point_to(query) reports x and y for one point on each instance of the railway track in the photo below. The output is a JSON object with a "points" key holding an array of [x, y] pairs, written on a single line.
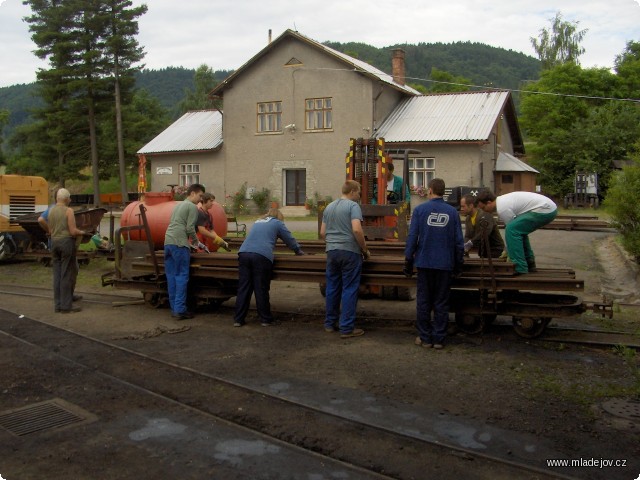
{"points": [[554, 333], [286, 420]]}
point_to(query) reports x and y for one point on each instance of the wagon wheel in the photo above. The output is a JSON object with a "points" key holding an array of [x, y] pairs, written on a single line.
{"points": [[152, 300], [217, 302], [471, 324], [404, 293], [530, 327]]}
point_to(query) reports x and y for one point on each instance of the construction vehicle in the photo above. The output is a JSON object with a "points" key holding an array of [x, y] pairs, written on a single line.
{"points": [[585, 193], [366, 163], [19, 195]]}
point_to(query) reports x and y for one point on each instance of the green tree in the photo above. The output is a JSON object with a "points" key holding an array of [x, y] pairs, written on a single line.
{"points": [[4, 119], [123, 51], [625, 186], [446, 82], [559, 45], [198, 99], [627, 67], [90, 48], [143, 118], [559, 110]]}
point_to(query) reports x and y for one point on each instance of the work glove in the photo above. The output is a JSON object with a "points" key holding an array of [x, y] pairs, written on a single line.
{"points": [[300, 252], [222, 243], [366, 255], [408, 268], [468, 245]]}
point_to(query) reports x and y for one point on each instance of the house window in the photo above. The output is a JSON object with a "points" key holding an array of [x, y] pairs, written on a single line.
{"points": [[318, 114], [507, 178], [270, 117], [189, 174], [421, 171]]}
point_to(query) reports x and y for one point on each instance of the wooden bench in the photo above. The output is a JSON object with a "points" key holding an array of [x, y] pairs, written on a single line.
{"points": [[240, 228]]}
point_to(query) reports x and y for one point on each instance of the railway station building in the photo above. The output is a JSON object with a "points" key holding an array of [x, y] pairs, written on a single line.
{"points": [[289, 112]]}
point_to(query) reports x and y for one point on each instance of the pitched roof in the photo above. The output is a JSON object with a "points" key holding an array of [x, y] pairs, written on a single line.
{"points": [[450, 117], [509, 163], [195, 131], [357, 65]]}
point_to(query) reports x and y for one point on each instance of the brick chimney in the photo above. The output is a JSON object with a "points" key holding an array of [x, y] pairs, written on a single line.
{"points": [[397, 66]]}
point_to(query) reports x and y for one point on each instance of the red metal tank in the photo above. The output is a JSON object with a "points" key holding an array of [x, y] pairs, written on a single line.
{"points": [[159, 207]]}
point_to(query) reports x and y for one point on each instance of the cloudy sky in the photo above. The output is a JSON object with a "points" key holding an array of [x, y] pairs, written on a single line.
{"points": [[224, 34]]}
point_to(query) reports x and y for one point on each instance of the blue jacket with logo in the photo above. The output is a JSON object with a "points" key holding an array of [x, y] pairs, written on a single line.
{"points": [[435, 237]]}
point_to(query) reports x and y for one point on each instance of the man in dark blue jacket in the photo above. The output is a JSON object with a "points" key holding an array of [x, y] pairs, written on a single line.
{"points": [[436, 248], [255, 265]]}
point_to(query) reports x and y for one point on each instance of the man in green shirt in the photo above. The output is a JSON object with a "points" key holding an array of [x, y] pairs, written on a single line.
{"points": [[181, 233]]}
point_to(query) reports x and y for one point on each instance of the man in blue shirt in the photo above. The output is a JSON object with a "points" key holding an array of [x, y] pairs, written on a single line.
{"points": [[436, 248], [346, 246], [255, 265]]}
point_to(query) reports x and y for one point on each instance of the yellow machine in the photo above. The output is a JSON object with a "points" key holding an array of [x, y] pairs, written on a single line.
{"points": [[19, 195]]}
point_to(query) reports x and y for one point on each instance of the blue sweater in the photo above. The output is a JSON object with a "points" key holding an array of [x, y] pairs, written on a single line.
{"points": [[263, 236], [435, 237]]}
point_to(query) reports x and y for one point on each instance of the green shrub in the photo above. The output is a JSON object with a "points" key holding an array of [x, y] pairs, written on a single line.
{"points": [[621, 202], [261, 199], [237, 200]]}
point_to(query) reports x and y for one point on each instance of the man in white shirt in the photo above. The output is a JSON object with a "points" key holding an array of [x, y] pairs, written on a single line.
{"points": [[522, 213]]}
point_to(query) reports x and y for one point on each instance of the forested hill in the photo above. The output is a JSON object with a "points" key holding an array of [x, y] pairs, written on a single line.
{"points": [[480, 63]]}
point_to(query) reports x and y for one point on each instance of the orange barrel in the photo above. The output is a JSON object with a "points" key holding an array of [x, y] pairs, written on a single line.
{"points": [[159, 207]]}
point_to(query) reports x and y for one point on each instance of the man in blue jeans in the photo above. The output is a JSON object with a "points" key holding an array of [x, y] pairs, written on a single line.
{"points": [[436, 247], [177, 250], [346, 247]]}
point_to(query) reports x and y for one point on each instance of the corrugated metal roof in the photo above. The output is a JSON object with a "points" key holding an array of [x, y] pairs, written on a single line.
{"points": [[194, 131], [358, 65], [508, 163], [460, 116]]}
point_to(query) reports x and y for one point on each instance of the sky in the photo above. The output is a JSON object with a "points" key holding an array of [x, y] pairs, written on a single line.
{"points": [[225, 34]]}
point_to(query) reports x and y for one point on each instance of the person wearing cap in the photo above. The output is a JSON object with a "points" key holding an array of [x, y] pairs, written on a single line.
{"points": [[522, 214], [477, 224], [61, 225], [255, 265]]}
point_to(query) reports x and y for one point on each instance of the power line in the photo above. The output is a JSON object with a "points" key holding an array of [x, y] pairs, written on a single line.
{"points": [[485, 87]]}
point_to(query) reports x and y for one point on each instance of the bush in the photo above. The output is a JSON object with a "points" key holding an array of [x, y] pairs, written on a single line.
{"points": [[237, 200], [261, 199], [624, 189]]}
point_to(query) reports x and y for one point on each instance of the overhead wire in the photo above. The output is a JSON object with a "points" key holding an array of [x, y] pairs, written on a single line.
{"points": [[487, 87]]}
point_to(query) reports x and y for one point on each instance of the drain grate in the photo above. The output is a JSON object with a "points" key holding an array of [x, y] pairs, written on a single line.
{"points": [[629, 409], [39, 417]]}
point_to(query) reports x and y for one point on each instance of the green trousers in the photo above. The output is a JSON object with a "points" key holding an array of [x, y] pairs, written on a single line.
{"points": [[517, 237]]}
